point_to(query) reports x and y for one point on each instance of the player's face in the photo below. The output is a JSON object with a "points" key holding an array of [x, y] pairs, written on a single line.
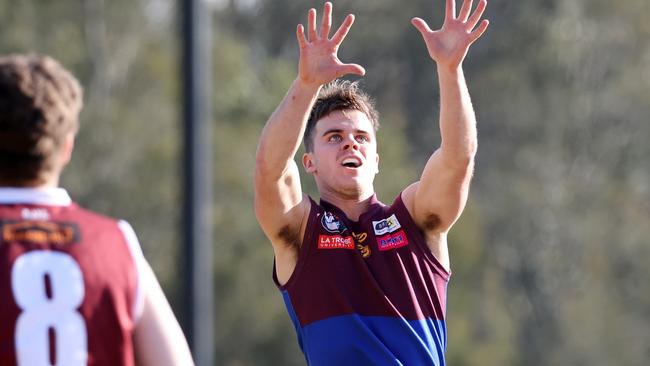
{"points": [[345, 153]]}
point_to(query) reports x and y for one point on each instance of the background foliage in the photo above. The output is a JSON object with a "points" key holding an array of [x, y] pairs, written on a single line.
{"points": [[550, 257]]}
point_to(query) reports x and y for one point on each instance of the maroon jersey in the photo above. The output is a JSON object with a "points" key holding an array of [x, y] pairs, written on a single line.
{"points": [[69, 282], [367, 292]]}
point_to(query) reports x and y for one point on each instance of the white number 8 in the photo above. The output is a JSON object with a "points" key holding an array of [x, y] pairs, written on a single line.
{"points": [[41, 313]]}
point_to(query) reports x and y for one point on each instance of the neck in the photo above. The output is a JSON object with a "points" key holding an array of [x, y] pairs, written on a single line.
{"points": [[353, 207], [51, 182]]}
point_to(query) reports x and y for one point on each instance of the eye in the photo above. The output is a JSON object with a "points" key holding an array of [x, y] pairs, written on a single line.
{"points": [[334, 138], [362, 138]]}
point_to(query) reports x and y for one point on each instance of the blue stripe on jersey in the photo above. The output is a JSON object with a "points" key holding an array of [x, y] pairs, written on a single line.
{"points": [[371, 340], [292, 315]]}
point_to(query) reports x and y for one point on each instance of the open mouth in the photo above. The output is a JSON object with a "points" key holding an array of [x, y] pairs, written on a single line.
{"points": [[351, 162]]}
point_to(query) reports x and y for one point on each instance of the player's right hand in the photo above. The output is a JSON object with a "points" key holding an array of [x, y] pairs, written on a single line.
{"points": [[319, 62]]}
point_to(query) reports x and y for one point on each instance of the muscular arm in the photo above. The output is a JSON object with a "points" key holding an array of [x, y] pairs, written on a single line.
{"points": [[438, 199], [278, 195], [280, 206]]}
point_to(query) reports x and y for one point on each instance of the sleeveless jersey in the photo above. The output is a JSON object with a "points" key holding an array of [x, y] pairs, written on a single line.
{"points": [[367, 292], [69, 282]]}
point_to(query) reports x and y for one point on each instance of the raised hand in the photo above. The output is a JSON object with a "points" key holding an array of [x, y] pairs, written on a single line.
{"points": [[448, 46], [319, 62]]}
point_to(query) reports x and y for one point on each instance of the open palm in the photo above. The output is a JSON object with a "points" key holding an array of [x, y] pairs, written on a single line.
{"points": [[448, 45], [319, 62]]}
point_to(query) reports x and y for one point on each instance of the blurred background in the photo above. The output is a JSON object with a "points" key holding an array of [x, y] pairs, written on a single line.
{"points": [[550, 258]]}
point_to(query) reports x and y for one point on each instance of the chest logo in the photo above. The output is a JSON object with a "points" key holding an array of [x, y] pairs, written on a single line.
{"points": [[332, 224], [392, 241], [335, 242], [387, 225]]}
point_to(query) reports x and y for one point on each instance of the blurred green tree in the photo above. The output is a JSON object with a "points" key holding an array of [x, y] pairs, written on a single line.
{"points": [[550, 257]]}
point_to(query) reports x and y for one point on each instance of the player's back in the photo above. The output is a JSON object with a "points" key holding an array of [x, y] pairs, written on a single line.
{"points": [[69, 282]]}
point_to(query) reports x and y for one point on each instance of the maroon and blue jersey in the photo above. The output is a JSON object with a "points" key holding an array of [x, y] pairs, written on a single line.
{"points": [[368, 292]]}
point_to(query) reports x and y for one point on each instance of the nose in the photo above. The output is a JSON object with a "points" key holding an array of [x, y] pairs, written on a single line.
{"points": [[351, 143]]}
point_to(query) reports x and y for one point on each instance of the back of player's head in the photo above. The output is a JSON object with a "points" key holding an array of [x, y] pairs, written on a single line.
{"points": [[40, 103], [339, 95]]}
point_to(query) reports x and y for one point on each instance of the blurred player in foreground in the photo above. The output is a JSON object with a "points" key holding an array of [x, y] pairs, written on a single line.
{"points": [[75, 287], [365, 283]]}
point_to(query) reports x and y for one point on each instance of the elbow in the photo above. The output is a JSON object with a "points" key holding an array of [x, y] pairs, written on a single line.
{"points": [[266, 173], [269, 167], [471, 153], [463, 162], [461, 158], [471, 148], [466, 157], [264, 168], [261, 165]]}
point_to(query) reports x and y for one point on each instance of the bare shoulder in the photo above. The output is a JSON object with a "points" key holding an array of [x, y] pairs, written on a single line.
{"points": [[283, 229], [286, 234], [430, 225], [426, 220]]}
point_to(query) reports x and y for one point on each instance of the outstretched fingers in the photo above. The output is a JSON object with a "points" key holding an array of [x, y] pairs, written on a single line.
{"points": [[311, 24], [300, 35], [450, 9], [343, 30], [464, 10], [421, 25], [326, 23], [478, 13], [351, 69], [479, 31]]}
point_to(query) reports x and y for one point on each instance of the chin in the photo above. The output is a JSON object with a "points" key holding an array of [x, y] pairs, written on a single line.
{"points": [[347, 185], [356, 188]]}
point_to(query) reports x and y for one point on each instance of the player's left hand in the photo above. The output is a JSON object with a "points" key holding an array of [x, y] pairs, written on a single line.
{"points": [[448, 46]]}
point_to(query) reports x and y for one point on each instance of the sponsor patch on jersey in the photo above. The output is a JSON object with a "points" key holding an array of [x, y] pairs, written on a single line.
{"points": [[335, 242], [332, 224], [392, 241], [39, 232], [387, 225], [35, 214]]}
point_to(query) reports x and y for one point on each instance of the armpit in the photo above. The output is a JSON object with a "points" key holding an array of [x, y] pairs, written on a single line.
{"points": [[290, 236], [431, 222]]}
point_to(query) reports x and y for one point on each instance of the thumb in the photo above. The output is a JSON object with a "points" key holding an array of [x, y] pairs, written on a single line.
{"points": [[421, 25], [352, 69]]}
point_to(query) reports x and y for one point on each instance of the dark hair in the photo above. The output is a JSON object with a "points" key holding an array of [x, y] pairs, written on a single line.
{"points": [[39, 105], [336, 96]]}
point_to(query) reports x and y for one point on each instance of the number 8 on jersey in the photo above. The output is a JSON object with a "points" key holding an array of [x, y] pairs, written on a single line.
{"points": [[42, 311]]}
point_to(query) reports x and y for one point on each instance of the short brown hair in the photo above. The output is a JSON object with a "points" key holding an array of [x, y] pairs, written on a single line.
{"points": [[337, 96], [39, 105]]}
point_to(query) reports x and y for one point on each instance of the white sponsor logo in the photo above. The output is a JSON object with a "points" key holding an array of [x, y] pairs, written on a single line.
{"points": [[332, 223], [35, 214], [387, 225]]}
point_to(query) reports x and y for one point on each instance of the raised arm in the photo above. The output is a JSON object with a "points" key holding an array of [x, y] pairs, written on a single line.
{"points": [[438, 199], [280, 205]]}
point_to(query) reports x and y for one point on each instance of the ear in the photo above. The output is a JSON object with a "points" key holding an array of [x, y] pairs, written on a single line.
{"points": [[308, 163], [66, 149]]}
